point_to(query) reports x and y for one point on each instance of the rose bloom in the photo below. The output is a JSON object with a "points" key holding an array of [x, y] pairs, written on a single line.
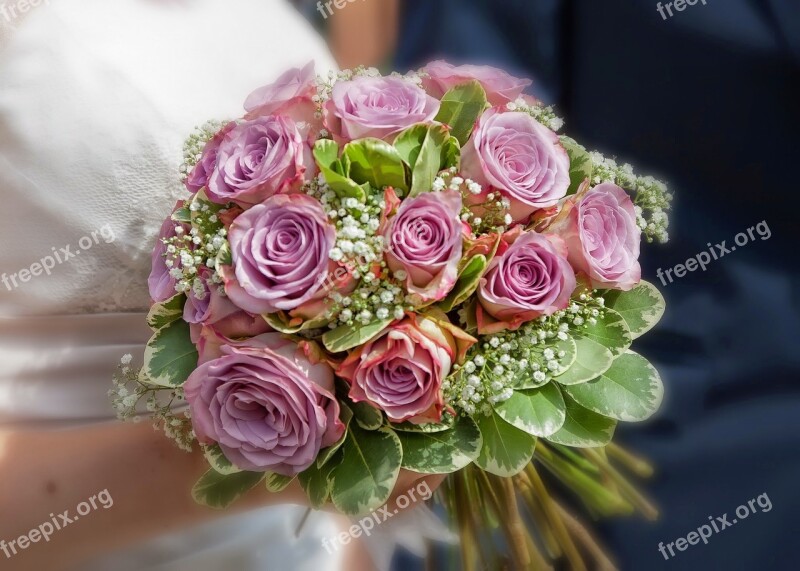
{"points": [[376, 107], [292, 87], [198, 178], [603, 238], [500, 87], [516, 155], [280, 252], [425, 240], [257, 159], [528, 277], [268, 403], [160, 283], [401, 372]]}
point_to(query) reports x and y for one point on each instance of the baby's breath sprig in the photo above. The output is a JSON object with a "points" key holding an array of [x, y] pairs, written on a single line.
{"points": [[493, 217], [497, 363], [651, 199], [160, 402], [544, 114], [194, 144]]}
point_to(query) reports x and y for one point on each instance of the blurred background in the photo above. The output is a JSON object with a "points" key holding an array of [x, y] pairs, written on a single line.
{"points": [[706, 99]]}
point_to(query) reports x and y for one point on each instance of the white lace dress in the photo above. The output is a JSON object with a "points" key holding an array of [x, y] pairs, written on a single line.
{"points": [[96, 97]]}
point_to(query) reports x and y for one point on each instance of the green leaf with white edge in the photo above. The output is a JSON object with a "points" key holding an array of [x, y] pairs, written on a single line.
{"points": [[345, 415], [539, 412], [583, 428], [441, 452], [421, 147], [277, 482], [224, 256], [631, 390], [446, 424], [468, 280], [525, 379], [506, 449], [218, 491], [377, 163], [610, 330], [368, 417], [326, 155], [461, 107], [182, 214], [580, 163], [591, 360], [315, 481], [346, 337], [170, 356], [641, 308], [165, 312], [367, 473], [279, 319], [216, 458]]}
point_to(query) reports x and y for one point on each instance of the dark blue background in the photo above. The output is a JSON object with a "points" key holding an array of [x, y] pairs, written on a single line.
{"points": [[708, 100]]}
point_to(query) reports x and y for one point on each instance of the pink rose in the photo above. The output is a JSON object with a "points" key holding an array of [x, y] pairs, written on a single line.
{"points": [[160, 282], [500, 87], [280, 251], [516, 155], [425, 240], [401, 372], [293, 87], [528, 277], [268, 403], [603, 237], [257, 159], [198, 178], [376, 107]]}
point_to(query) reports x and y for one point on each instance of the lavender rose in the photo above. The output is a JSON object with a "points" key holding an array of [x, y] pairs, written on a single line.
{"points": [[424, 241], [376, 107], [500, 87], [267, 403], [528, 277], [515, 154], [198, 178], [280, 252], [292, 87], [402, 371], [603, 238], [160, 282], [257, 159]]}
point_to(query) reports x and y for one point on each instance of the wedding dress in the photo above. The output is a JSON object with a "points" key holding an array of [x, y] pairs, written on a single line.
{"points": [[96, 98]]}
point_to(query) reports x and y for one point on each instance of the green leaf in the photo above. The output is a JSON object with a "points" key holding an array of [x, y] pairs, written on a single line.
{"points": [[224, 256], [591, 360], [345, 415], [365, 478], [279, 320], [315, 481], [525, 380], [468, 280], [326, 155], [170, 356], [630, 390], [216, 458], [583, 428], [506, 450], [441, 452], [610, 331], [580, 164], [641, 308], [218, 491], [277, 482], [424, 148], [368, 417], [539, 412], [446, 424], [346, 337], [376, 163], [166, 312], [461, 107], [182, 214]]}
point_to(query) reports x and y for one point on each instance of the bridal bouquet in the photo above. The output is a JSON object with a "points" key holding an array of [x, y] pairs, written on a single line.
{"points": [[414, 271]]}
